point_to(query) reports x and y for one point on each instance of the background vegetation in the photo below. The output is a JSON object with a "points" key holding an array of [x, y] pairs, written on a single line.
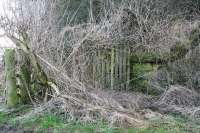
{"points": [[102, 66]]}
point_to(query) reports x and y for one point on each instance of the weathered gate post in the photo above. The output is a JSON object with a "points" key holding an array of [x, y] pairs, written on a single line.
{"points": [[11, 87]]}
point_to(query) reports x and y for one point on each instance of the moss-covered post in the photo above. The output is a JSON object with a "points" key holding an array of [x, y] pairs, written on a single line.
{"points": [[11, 87]]}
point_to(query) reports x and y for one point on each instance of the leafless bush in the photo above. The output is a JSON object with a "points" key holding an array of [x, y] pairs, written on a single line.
{"points": [[36, 24], [178, 100], [180, 96]]}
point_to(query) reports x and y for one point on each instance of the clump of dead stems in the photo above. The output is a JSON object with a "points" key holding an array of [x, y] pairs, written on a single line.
{"points": [[55, 48]]}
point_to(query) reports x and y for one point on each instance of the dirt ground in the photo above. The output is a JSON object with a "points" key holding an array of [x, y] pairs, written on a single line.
{"points": [[9, 129]]}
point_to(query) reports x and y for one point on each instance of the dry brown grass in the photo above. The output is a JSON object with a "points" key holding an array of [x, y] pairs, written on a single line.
{"points": [[56, 48]]}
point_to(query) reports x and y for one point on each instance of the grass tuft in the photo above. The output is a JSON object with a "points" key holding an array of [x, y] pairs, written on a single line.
{"points": [[48, 122]]}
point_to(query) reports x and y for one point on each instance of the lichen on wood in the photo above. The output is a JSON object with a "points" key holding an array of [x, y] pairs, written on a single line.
{"points": [[11, 86]]}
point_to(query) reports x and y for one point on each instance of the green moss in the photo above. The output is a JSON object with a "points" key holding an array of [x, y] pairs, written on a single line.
{"points": [[11, 87], [146, 57], [140, 75], [178, 52]]}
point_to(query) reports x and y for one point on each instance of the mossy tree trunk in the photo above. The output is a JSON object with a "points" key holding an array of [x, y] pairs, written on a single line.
{"points": [[11, 86]]}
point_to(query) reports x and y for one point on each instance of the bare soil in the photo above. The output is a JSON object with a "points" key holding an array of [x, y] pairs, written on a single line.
{"points": [[9, 129]]}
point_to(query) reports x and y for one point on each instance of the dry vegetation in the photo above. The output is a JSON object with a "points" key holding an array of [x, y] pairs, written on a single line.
{"points": [[34, 29]]}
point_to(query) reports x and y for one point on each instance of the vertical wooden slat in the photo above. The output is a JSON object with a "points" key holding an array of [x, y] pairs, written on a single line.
{"points": [[128, 69], [112, 67], [108, 72], [97, 74], [98, 68], [120, 68], [94, 68], [106, 78], [116, 65], [103, 68], [124, 67]]}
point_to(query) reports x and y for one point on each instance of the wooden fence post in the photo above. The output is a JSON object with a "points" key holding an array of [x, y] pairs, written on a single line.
{"points": [[11, 87]]}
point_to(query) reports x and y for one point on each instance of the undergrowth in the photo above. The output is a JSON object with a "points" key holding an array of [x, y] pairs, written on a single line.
{"points": [[51, 123]]}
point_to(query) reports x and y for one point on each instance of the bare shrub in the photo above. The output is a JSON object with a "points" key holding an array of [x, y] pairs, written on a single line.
{"points": [[35, 29], [180, 96], [178, 100]]}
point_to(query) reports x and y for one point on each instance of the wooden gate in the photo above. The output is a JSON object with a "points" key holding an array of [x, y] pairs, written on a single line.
{"points": [[111, 68]]}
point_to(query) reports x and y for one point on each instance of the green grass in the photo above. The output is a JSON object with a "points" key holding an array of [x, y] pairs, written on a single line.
{"points": [[45, 123], [3, 117]]}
